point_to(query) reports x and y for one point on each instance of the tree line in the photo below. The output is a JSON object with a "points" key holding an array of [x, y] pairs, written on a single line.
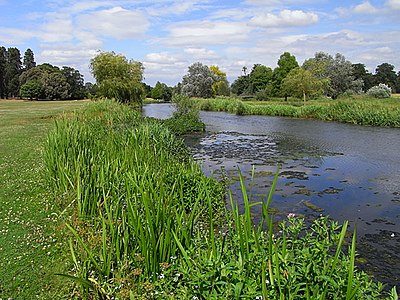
{"points": [[24, 79], [322, 74]]}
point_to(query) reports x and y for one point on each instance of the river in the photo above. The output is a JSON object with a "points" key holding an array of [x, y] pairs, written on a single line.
{"points": [[347, 172]]}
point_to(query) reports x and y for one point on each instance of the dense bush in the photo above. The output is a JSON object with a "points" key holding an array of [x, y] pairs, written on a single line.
{"points": [[380, 91]]}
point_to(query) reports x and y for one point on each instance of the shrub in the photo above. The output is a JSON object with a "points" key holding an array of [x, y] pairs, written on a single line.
{"points": [[380, 91]]}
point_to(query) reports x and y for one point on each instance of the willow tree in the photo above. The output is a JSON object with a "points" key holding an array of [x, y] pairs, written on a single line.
{"points": [[118, 78]]}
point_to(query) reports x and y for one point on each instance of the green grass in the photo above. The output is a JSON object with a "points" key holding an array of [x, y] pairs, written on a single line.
{"points": [[145, 223], [359, 110], [29, 240]]}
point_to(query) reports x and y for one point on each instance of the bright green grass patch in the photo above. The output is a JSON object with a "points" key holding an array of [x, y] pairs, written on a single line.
{"points": [[357, 110], [151, 226], [29, 243]]}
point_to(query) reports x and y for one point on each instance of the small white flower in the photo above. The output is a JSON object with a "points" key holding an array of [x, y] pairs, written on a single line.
{"points": [[162, 276]]}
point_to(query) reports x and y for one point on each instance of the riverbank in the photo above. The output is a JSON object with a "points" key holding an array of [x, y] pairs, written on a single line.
{"points": [[354, 110], [138, 230], [31, 248]]}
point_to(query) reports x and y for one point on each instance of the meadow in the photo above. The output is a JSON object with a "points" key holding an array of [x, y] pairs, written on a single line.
{"points": [[88, 213], [361, 110], [31, 248]]}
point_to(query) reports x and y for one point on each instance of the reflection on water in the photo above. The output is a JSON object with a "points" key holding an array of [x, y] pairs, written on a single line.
{"points": [[344, 171]]}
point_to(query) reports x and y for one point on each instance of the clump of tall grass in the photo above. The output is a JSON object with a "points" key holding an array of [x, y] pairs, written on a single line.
{"points": [[186, 118], [151, 225], [133, 181]]}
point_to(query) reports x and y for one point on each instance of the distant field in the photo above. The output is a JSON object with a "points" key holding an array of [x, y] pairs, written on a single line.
{"points": [[31, 249]]}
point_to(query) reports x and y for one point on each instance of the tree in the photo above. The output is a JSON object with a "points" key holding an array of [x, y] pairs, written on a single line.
{"points": [[360, 72], [260, 77], [318, 65], [32, 90], [198, 81], [338, 71], [3, 61], [13, 68], [286, 63], [242, 85], [220, 86], [161, 91], [301, 83], [53, 82], [118, 78], [75, 81], [29, 60], [385, 74], [55, 86]]}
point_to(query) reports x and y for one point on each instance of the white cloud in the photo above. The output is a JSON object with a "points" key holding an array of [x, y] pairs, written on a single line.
{"points": [[116, 22], [15, 36], [286, 18], [200, 33], [393, 4], [201, 53], [162, 58], [57, 30], [365, 8]]}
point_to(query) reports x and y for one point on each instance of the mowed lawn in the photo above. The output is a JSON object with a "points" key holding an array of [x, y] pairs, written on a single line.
{"points": [[32, 248]]}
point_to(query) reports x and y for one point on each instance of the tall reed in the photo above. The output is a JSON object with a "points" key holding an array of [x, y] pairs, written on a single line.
{"points": [[149, 223]]}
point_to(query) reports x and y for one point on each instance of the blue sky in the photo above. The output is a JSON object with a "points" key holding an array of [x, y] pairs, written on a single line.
{"points": [[169, 35]]}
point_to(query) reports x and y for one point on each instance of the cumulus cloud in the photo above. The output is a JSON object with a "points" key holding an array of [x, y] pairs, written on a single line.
{"points": [[201, 53], [286, 18], [116, 22], [200, 33], [365, 8]]}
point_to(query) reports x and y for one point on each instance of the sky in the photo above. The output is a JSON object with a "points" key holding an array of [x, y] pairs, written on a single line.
{"points": [[169, 35]]}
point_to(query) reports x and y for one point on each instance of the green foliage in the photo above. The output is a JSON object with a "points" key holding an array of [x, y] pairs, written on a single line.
{"points": [[360, 73], [56, 83], [76, 83], [220, 86], [161, 91], [302, 84], [198, 81], [242, 85], [286, 63], [152, 232], [29, 60], [118, 78], [337, 72], [12, 70], [3, 60], [385, 74], [107, 159], [31, 90], [380, 91], [260, 77]]}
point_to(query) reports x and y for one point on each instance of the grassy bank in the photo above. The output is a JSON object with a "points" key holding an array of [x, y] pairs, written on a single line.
{"points": [[144, 223], [356, 110], [30, 247]]}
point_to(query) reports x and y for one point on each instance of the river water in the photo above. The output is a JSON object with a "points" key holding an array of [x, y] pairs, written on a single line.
{"points": [[347, 172]]}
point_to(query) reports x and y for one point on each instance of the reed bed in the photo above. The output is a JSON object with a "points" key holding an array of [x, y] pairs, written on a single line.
{"points": [[149, 225], [355, 111]]}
